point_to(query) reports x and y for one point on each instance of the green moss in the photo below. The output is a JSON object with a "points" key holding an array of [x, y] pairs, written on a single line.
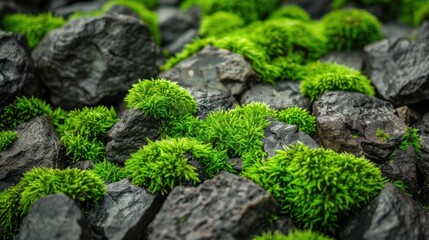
{"points": [[318, 187], [162, 165], [33, 27], [150, 4], [7, 138], [291, 11], [351, 29], [383, 136], [109, 172], [295, 235], [421, 14], [210, 26], [411, 138], [183, 126], [300, 117]]}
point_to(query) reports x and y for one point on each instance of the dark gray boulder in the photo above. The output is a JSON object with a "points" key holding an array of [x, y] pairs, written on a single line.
{"points": [[211, 100], [423, 161], [423, 124], [124, 213], [178, 45], [352, 59], [129, 134], [278, 135], [225, 207], [399, 70], [423, 32], [396, 30], [173, 23], [95, 60], [391, 215], [348, 121], [54, 217], [281, 95], [213, 68], [37, 145], [66, 11]]}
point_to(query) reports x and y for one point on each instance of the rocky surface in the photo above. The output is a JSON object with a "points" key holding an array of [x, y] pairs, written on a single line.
{"points": [[113, 63], [396, 30], [352, 59], [173, 23], [211, 100], [37, 145], [179, 43]]}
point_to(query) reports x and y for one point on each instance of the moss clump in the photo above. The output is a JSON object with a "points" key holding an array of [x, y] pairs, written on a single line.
{"points": [[351, 29], [318, 187], [291, 11], [324, 77], [109, 172], [382, 135], [412, 139], [33, 27], [150, 4], [210, 26], [295, 235], [164, 164], [15, 202], [7, 138], [300, 117]]}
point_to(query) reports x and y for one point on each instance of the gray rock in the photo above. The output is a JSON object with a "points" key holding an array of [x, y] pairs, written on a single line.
{"points": [[348, 121], [423, 124], [282, 224], [352, 59], [211, 100], [423, 162], [55, 4], [213, 68], [129, 134], [226, 207], [178, 45], [119, 9], [82, 165], [395, 30], [124, 213], [66, 11], [37, 145], [115, 51], [399, 69], [281, 95], [173, 23], [54, 217], [237, 164], [408, 115], [423, 32], [391, 215], [315, 8], [279, 134]]}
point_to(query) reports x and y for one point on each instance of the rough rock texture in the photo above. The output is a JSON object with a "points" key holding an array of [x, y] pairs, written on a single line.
{"points": [[173, 23], [391, 215], [423, 124], [213, 68], [279, 134], [115, 51], [423, 162], [348, 121], [16, 68], [423, 32], [226, 207], [211, 100], [66, 11], [408, 115], [129, 134], [82, 165], [54, 217], [399, 69], [37, 145], [124, 213], [395, 30], [281, 95], [353, 59], [178, 45], [282, 224]]}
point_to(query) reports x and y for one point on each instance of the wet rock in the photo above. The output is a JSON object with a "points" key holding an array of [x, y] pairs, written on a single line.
{"points": [[129, 134], [226, 207], [399, 69], [396, 30], [391, 215], [281, 95], [173, 23], [352, 59], [348, 121], [125, 212], [115, 51], [211, 100], [37, 145], [54, 217], [279, 134], [213, 68], [178, 45]]}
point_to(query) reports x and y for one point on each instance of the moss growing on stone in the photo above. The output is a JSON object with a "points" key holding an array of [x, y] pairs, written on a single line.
{"points": [[7, 138], [291, 11], [109, 172], [211, 27], [411, 138], [382, 135], [300, 117], [294, 235]]}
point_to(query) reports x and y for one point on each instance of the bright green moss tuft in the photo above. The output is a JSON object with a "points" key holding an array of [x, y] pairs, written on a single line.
{"points": [[291, 11], [109, 172], [382, 135], [33, 27], [351, 29], [150, 4], [183, 126], [318, 187], [295, 235], [162, 165], [300, 117], [211, 27], [411, 138], [83, 148], [7, 138]]}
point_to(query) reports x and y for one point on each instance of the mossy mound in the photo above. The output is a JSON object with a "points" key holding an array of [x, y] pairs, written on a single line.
{"points": [[291, 11], [211, 27], [6, 138], [300, 117]]}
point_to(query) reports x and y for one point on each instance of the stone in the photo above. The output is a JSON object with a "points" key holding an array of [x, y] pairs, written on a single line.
{"points": [[66, 11], [37, 145], [352, 59], [225, 207], [399, 70], [391, 215], [408, 115], [423, 162], [423, 124], [423, 32], [213, 68], [316, 9], [82, 165], [125, 212], [129, 134], [278, 135], [283, 224], [281, 95], [173, 23], [211, 100], [95, 60], [54, 217], [178, 45], [237, 164], [348, 122], [395, 30]]}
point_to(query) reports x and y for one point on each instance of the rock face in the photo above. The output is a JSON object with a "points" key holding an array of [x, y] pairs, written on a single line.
{"points": [[281, 95], [16, 68], [226, 207], [173, 23], [396, 30], [392, 215], [125, 212], [178, 45], [54, 217], [278, 135], [211, 100], [213, 68], [37, 145], [399, 69], [348, 121], [95, 60], [353, 59], [129, 134], [423, 33]]}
